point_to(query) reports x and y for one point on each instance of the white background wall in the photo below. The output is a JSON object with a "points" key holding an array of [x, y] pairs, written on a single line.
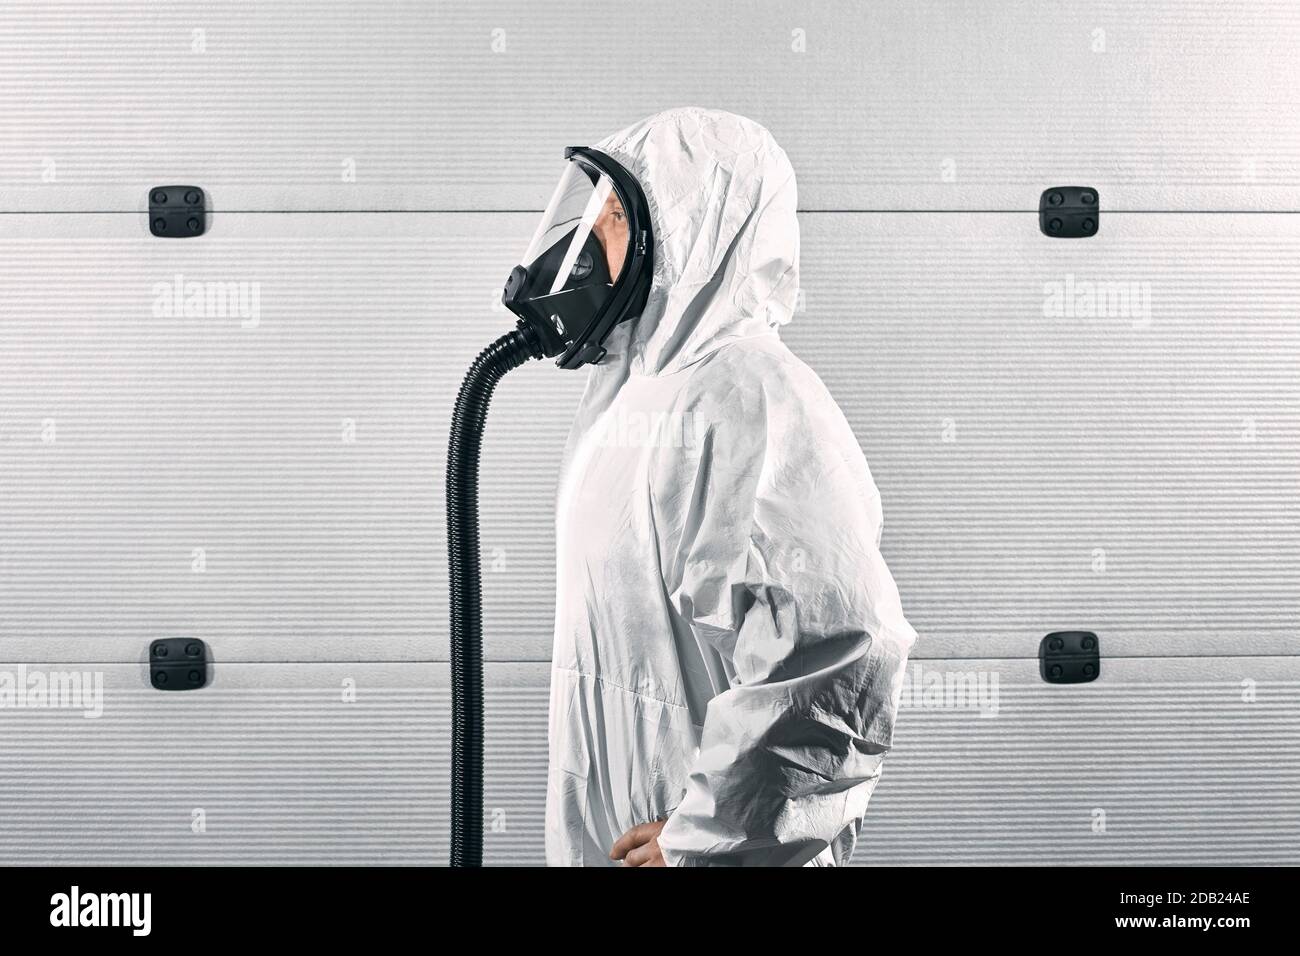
{"points": [[376, 170]]}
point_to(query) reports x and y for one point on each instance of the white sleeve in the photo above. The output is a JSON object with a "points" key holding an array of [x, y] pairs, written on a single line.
{"points": [[779, 569]]}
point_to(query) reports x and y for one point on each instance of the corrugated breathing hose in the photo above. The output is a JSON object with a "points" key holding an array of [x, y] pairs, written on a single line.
{"points": [[508, 352]]}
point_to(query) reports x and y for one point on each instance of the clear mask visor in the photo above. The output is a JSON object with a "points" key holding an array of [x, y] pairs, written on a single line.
{"points": [[582, 240]]}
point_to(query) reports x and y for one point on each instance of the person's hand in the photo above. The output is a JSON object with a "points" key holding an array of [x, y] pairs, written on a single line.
{"points": [[639, 846]]}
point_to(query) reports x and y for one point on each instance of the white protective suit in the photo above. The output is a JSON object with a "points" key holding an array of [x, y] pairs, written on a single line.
{"points": [[729, 644]]}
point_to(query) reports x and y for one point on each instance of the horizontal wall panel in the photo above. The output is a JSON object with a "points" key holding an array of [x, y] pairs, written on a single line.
{"points": [[1129, 467], [267, 765], [889, 105], [1101, 435], [272, 486], [1160, 761]]}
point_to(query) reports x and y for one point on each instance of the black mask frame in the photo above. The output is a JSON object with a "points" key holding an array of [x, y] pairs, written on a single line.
{"points": [[578, 339]]}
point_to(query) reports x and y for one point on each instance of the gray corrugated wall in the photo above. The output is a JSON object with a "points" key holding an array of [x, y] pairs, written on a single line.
{"points": [[375, 171]]}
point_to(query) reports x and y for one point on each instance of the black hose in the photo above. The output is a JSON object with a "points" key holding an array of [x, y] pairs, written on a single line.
{"points": [[508, 352]]}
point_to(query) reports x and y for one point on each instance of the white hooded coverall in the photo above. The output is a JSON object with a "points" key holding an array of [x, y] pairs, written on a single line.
{"points": [[729, 644]]}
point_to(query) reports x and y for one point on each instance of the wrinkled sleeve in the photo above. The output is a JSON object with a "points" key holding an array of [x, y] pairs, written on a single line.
{"points": [[772, 525]]}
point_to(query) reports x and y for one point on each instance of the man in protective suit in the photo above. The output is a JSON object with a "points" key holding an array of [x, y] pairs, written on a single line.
{"points": [[729, 643]]}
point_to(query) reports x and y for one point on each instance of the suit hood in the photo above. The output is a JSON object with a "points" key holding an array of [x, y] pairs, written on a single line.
{"points": [[722, 200]]}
